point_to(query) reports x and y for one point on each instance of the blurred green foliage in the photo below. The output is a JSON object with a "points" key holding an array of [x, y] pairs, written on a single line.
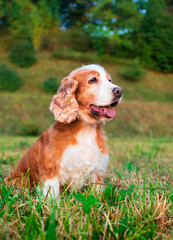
{"points": [[23, 54], [51, 84], [134, 72], [29, 128], [9, 79], [120, 29]]}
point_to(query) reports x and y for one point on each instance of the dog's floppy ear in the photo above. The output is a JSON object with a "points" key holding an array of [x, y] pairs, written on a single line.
{"points": [[64, 105]]}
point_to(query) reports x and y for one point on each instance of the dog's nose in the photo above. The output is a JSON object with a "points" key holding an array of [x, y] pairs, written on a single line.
{"points": [[117, 92]]}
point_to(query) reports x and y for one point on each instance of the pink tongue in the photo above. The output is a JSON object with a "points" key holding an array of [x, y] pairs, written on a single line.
{"points": [[110, 112]]}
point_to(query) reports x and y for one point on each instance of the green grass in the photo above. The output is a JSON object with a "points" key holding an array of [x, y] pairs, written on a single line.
{"points": [[137, 200], [136, 203]]}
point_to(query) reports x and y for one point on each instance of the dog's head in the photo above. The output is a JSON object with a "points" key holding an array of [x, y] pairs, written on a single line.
{"points": [[88, 94]]}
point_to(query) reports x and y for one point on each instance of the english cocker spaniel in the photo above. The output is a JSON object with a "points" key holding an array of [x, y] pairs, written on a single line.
{"points": [[73, 150]]}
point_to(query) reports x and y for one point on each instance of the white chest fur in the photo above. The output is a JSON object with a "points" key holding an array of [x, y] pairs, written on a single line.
{"points": [[83, 161]]}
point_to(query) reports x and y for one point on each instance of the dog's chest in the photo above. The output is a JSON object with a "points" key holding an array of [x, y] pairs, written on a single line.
{"points": [[83, 160]]}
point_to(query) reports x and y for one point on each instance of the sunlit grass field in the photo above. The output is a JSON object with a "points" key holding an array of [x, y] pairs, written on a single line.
{"points": [[136, 201]]}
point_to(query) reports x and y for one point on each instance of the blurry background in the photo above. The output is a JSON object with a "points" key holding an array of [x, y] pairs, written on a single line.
{"points": [[41, 41]]}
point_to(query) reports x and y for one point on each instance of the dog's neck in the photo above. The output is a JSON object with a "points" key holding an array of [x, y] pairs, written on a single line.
{"points": [[89, 124], [87, 120]]}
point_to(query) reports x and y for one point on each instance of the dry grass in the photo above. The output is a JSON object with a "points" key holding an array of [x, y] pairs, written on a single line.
{"points": [[146, 108], [133, 118], [136, 202]]}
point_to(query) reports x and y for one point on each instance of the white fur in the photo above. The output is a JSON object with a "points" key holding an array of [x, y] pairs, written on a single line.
{"points": [[53, 185], [95, 67], [105, 94], [83, 161], [120, 99]]}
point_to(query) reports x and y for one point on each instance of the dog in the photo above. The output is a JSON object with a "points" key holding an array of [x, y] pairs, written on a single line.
{"points": [[73, 150]]}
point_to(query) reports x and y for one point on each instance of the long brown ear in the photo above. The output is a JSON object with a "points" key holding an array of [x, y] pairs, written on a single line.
{"points": [[64, 105]]}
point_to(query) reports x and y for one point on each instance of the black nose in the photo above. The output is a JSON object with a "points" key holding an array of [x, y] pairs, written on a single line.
{"points": [[117, 92]]}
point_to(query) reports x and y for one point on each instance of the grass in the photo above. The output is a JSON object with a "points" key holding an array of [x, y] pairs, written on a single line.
{"points": [[136, 203], [137, 200], [146, 109]]}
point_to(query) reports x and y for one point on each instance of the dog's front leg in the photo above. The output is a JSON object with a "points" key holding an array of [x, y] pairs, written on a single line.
{"points": [[97, 184], [51, 187]]}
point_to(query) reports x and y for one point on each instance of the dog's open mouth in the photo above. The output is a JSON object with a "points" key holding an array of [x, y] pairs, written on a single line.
{"points": [[104, 111]]}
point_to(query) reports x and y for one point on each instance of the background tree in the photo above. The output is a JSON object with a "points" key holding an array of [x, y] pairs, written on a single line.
{"points": [[120, 29], [155, 45]]}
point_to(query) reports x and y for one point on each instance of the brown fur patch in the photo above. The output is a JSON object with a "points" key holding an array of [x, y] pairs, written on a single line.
{"points": [[42, 160], [64, 105], [100, 139], [108, 76]]}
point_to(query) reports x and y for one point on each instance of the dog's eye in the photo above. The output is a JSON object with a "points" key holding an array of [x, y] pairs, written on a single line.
{"points": [[92, 80], [110, 80]]}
